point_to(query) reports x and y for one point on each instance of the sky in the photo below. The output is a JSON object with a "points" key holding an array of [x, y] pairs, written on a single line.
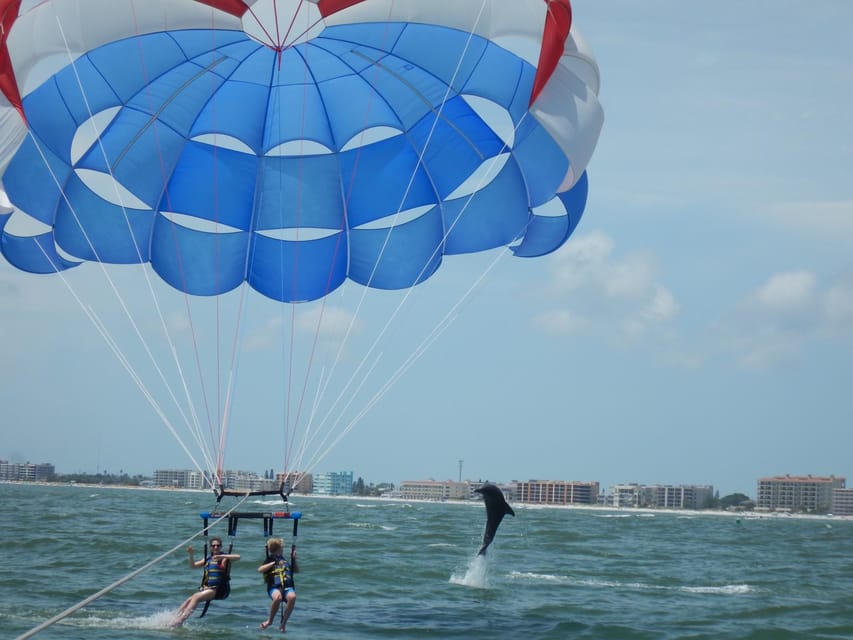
{"points": [[697, 328]]}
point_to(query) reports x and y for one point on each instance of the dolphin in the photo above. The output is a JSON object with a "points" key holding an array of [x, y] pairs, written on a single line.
{"points": [[496, 509]]}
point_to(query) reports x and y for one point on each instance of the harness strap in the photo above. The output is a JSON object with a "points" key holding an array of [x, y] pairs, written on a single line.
{"points": [[226, 575]]}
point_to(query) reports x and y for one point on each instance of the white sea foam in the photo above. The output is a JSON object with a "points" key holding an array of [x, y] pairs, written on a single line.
{"points": [[544, 577], [727, 589]]}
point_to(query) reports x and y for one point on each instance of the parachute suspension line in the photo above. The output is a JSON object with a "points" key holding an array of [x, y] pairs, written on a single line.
{"points": [[192, 425], [331, 429], [389, 322], [261, 24], [99, 325], [346, 390], [218, 423], [306, 468], [277, 43], [440, 327], [130, 576], [291, 432], [416, 354], [307, 436], [199, 369], [221, 410]]}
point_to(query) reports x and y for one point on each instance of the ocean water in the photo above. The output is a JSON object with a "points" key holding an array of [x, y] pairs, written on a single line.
{"points": [[383, 569]]}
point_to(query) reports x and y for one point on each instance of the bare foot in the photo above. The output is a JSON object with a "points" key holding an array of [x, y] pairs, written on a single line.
{"points": [[281, 627], [265, 624]]}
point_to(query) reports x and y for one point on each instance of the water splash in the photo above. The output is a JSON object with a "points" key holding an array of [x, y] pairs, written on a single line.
{"points": [[475, 574], [159, 620]]}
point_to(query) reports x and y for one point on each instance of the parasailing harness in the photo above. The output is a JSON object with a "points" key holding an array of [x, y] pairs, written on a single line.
{"points": [[222, 580]]}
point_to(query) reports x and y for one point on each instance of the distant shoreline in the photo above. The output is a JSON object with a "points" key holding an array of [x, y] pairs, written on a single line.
{"points": [[624, 511]]}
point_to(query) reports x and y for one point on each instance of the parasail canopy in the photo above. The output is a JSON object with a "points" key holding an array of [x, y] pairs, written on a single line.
{"points": [[277, 143], [290, 145]]}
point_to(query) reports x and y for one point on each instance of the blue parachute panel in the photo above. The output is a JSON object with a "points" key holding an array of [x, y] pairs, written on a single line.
{"points": [[339, 96], [548, 233], [309, 65], [197, 262], [448, 54], [501, 77], [297, 271], [381, 179], [90, 228], [541, 160], [129, 65], [235, 112], [301, 98], [398, 257], [31, 185], [138, 152], [214, 44], [98, 93], [34, 254], [359, 43], [195, 88], [213, 184], [299, 192], [492, 217], [453, 144]]}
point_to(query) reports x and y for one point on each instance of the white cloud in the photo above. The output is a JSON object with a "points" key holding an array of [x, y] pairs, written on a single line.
{"points": [[330, 324], [788, 314], [334, 321], [608, 294], [788, 292], [660, 310]]}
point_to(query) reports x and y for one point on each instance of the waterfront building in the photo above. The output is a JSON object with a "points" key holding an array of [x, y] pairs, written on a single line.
{"points": [[624, 495], [335, 483], [181, 479], [297, 481], [237, 480], [810, 494], [556, 492], [660, 496], [434, 490], [685, 496], [26, 471], [842, 502]]}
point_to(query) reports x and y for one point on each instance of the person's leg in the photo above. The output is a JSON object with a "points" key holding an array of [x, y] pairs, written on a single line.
{"points": [[290, 600], [276, 602], [189, 605]]}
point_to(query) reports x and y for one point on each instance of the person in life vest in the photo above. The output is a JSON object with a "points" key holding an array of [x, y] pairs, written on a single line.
{"points": [[215, 578], [278, 572]]}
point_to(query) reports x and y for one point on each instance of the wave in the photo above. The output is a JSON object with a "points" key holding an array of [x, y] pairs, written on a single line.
{"points": [[371, 525]]}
